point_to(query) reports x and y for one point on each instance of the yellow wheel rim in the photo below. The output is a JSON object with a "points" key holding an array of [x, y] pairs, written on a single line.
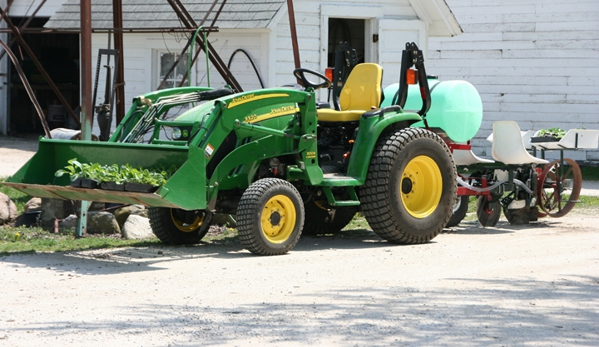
{"points": [[186, 227], [278, 219], [421, 186]]}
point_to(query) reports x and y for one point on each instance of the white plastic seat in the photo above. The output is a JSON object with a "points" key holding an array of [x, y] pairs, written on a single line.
{"points": [[464, 157], [508, 146], [526, 136]]}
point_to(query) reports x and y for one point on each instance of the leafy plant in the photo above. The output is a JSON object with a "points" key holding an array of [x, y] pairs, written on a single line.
{"points": [[74, 169], [558, 133], [114, 173]]}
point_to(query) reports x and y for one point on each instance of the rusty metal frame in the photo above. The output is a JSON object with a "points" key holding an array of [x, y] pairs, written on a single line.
{"points": [[215, 59], [40, 68], [28, 89], [170, 71], [189, 26]]}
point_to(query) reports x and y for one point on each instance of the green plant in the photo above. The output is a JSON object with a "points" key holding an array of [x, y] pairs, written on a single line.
{"points": [[74, 169], [114, 173], [552, 132]]}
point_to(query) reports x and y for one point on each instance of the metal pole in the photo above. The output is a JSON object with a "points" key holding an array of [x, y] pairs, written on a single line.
{"points": [[296, 55], [119, 83], [87, 112]]}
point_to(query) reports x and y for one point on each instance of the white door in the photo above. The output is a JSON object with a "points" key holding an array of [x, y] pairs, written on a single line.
{"points": [[393, 35]]}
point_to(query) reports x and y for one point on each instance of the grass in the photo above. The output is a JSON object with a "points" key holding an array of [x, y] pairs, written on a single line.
{"points": [[590, 173], [26, 240], [19, 198]]}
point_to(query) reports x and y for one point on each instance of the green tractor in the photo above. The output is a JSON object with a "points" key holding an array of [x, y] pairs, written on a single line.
{"points": [[274, 159]]}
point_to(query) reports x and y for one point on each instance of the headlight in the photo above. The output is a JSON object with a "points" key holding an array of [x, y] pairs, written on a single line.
{"points": [[177, 133]]}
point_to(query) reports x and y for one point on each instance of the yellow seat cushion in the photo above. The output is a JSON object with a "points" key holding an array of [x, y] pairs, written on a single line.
{"points": [[330, 115], [361, 93]]}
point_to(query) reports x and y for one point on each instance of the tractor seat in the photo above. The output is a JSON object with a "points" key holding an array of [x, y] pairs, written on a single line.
{"points": [[361, 93], [508, 146]]}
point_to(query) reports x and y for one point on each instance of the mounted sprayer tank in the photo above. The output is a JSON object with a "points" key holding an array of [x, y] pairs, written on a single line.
{"points": [[456, 107]]}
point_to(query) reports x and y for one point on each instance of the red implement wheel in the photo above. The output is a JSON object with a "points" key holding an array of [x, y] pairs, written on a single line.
{"points": [[487, 212], [559, 187]]}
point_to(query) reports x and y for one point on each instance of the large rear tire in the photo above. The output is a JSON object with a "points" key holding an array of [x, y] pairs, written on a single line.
{"points": [[321, 220], [460, 209], [270, 217], [179, 227], [410, 189]]}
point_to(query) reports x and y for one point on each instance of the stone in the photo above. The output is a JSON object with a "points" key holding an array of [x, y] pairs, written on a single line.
{"points": [[124, 212], [137, 228], [33, 205], [8, 210], [55, 209], [96, 206], [102, 223], [69, 223]]}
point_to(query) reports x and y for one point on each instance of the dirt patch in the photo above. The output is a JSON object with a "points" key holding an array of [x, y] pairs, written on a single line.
{"points": [[15, 152]]}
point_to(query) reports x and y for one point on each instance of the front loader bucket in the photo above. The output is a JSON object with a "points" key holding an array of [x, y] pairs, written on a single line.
{"points": [[36, 177]]}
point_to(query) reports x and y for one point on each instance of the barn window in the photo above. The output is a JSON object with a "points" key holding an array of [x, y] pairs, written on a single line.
{"points": [[167, 60]]}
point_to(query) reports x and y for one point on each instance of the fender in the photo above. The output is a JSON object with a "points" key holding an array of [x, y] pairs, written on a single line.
{"points": [[372, 125]]}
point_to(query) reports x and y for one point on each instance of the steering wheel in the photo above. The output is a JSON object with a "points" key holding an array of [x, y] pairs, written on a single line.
{"points": [[300, 73]]}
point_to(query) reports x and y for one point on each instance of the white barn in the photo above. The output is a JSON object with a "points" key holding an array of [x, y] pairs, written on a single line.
{"points": [[533, 61], [378, 31]]}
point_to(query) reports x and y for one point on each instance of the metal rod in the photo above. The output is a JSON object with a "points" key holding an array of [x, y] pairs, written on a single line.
{"points": [[86, 93], [4, 12], [294, 44], [119, 83], [28, 88], [41, 69], [12, 40], [218, 63], [172, 68]]}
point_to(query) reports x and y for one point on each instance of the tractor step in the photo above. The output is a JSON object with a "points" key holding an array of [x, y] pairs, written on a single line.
{"points": [[351, 200], [337, 179]]}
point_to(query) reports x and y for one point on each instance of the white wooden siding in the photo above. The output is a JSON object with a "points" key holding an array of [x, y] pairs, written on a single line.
{"points": [[309, 31], [533, 61], [25, 8], [141, 52]]}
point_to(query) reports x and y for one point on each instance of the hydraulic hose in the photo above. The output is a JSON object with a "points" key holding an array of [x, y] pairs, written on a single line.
{"points": [[251, 62], [493, 186]]}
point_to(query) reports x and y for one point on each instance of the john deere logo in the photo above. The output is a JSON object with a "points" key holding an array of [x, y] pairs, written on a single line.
{"points": [[253, 97]]}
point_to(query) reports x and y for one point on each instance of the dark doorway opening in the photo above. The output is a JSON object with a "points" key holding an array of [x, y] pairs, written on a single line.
{"points": [[59, 55], [346, 30]]}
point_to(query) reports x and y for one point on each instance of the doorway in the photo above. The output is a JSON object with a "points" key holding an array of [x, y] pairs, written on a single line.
{"points": [[59, 56], [352, 31]]}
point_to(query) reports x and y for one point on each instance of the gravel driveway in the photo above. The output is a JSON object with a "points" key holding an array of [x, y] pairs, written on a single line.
{"points": [[534, 285]]}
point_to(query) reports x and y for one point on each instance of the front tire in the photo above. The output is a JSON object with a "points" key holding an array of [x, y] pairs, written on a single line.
{"points": [[411, 186], [270, 217], [179, 227]]}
